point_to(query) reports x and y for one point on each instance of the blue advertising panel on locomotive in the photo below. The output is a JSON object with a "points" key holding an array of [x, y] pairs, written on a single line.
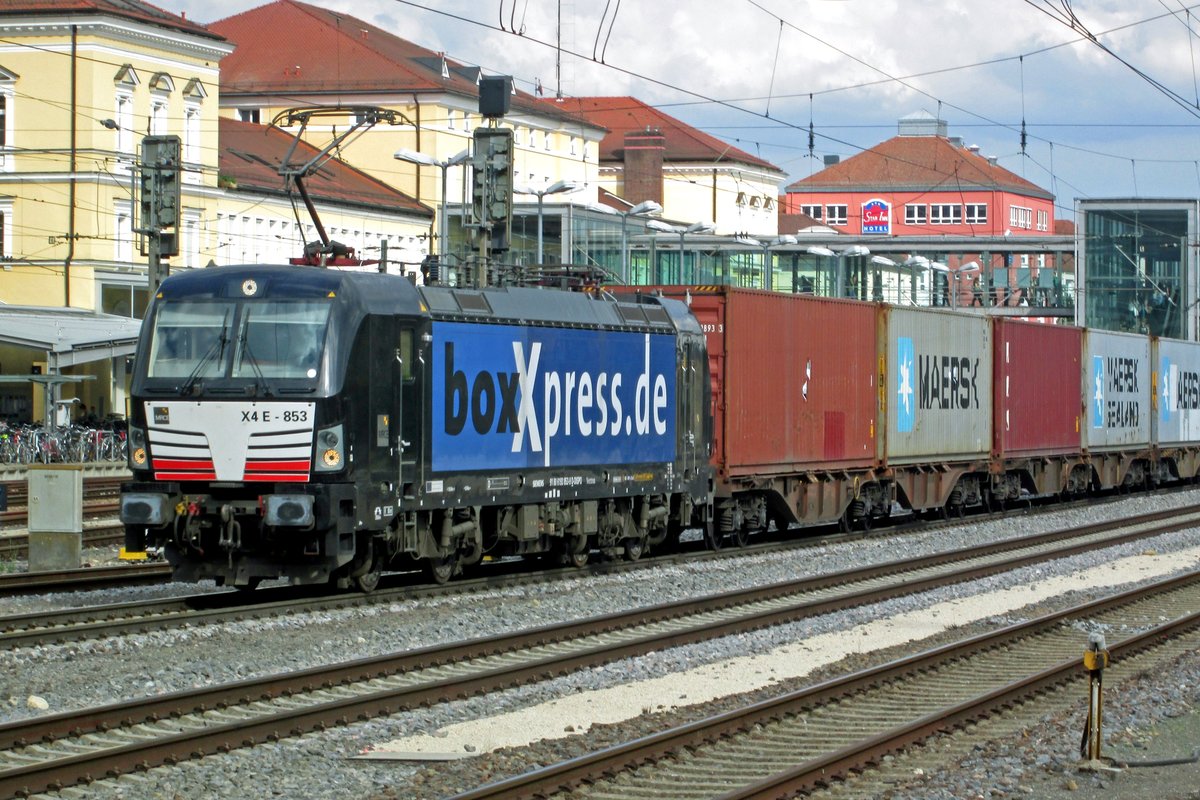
{"points": [[509, 397]]}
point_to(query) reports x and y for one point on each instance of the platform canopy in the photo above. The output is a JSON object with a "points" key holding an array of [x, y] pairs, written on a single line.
{"points": [[68, 336]]}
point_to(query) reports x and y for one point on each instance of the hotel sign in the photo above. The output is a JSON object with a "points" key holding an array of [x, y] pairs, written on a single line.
{"points": [[877, 216]]}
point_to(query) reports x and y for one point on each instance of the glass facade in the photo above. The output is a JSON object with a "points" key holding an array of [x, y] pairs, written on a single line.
{"points": [[1136, 266]]}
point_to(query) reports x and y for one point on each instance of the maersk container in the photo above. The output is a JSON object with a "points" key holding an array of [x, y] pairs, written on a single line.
{"points": [[793, 379], [938, 394], [1116, 391], [1177, 421], [1037, 409]]}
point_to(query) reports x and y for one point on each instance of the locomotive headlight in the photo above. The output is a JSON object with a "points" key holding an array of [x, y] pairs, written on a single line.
{"points": [[137, 446], [331, 449]]}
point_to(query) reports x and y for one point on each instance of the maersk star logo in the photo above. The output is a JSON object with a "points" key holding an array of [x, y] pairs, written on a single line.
{"points": [[905, 415], [1098, 394], [1166, 390]]}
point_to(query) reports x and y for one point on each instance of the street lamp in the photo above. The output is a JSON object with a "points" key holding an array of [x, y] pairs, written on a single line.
{"points": [[425, 160], [558, 187], [643, 208], [683, 231]]}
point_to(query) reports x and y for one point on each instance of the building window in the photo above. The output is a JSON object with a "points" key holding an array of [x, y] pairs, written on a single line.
{"points": [[1043, 220], [836, 215], [518, 135], [466, 121], [977, 213], [916, 214], [6, 219], [123, 232], [450, 114], [572, 145], [250, 115], [124, 122], [816, 212], [1020, 217], [945, 214], [158, 118], [548, 140], [191, 135]]}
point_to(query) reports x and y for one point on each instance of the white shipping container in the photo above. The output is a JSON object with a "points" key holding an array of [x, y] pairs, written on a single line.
{"points": [[1177, 420], [1117, 391], [939, 396]]}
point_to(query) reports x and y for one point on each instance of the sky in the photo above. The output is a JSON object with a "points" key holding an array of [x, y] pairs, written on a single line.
{"points": [[1108, 91]]}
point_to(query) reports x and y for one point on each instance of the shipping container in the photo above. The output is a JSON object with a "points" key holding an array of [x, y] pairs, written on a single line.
{"points": [[793, 380], [938, 401], [1116, 391], [1037, 411], [1177, 421]]}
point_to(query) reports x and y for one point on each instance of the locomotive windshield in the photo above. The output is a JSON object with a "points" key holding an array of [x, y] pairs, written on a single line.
{"points": [[252, 340]]}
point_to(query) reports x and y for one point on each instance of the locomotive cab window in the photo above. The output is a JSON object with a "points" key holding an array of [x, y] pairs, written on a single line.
{"points": [[406, 354], [251, 340], [280, 339]]}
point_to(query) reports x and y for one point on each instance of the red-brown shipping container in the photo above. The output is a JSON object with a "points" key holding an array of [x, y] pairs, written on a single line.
{"points": [[793, 376], [1036, 397]]}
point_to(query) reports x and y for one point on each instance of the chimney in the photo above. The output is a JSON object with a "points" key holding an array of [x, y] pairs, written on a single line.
{"points": [[644, 151]]}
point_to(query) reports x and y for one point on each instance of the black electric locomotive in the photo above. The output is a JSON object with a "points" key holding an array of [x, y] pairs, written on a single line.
{"points": [[322, 425]]}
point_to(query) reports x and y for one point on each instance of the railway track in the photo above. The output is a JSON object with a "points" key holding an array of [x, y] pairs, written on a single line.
{"points": [[67, 748], [805, 740], [118, 619]]}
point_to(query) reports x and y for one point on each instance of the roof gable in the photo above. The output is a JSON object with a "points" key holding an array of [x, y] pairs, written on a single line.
{"points": [[622, 115], [251, 154], [917, 163]]}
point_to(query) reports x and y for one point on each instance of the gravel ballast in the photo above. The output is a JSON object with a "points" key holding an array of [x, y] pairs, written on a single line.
{"points": [[318, 766]]}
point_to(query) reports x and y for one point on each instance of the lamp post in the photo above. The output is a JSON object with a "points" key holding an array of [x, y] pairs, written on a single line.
{"points": [[424, 160], [641, 209], [558, 187], [683, 231]]}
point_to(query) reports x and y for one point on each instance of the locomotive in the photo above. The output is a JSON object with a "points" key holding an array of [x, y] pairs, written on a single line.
{"points": [[320, 425]]}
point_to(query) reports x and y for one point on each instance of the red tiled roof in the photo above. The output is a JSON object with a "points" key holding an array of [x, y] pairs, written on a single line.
{"points": [[794, 223], [251, 154], [1064, 227], [622, 115], [128, 9], [316, 50], [917, 163]]}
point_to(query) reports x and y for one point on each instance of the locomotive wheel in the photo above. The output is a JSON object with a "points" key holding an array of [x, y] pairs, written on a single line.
{"points": [[577, 560], [713, 539], [370, 581], [844, 522], [442, 567], [741, 537], [634, 549], [864, 522]]}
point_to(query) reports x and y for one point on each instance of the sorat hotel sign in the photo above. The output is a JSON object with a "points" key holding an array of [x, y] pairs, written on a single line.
{"points": [[877, 216]]}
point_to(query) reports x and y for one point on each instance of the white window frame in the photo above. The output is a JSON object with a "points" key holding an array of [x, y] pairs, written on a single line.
{"points": [[189, 247], [123, 232], [837, 214], [6, 229], [916, 214], [945, 214], [158, 116], [252, 115], [976, 214], [191, 141], [815, 211], [8, 92]]}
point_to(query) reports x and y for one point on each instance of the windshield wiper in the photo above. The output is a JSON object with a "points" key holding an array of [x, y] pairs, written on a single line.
{"points": [[214, 352], [260, 380]]}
